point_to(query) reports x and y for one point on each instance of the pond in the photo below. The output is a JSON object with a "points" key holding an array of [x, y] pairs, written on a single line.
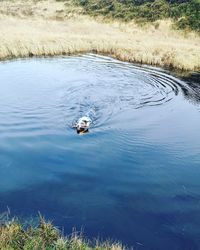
{"points": [[135, 177]]}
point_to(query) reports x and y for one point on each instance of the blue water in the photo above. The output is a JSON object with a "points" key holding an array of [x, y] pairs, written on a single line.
{"points": [[134, 177]]}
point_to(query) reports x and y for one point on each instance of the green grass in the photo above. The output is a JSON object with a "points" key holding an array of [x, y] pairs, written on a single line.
{"points": [[185, 13], [44, 236]]}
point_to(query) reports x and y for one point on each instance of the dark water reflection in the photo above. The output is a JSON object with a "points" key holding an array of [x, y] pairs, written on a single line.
{"points": [[134, 177], [192, 93]]}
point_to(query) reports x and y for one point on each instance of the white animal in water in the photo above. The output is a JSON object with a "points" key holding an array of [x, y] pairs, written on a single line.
{"points": [[83, 124]]}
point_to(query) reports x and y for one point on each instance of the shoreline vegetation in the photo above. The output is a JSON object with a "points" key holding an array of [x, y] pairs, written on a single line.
{"points": [[184, 13], [15, 236], [49, 27]]}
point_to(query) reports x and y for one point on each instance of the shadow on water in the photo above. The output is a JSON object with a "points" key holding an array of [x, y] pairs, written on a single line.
{"points": [[134, 177], [107, 212], [192, 93]]}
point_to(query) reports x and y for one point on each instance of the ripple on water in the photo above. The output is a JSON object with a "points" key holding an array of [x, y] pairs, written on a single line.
{"points": [[63, 90]]}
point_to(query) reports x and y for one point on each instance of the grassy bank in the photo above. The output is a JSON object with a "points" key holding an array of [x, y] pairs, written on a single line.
{"points": [[47, 28], [45, 236], [184, 13]]}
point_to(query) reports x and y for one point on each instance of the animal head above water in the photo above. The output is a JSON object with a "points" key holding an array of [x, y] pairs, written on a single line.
{"points": [[82, 125]]}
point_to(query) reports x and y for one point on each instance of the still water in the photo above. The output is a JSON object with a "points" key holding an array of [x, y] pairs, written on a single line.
{"points": [[135, 177]]}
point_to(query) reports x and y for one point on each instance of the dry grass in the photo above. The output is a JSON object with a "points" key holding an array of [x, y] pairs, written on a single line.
{"points": [[47, 28], [45, 236]]}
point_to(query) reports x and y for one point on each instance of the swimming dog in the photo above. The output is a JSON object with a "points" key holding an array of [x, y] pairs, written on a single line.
{"points": [[83, 124]]}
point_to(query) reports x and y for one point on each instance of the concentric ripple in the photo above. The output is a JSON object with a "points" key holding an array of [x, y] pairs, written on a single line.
{"points": [[114, 87], [46, 92]]}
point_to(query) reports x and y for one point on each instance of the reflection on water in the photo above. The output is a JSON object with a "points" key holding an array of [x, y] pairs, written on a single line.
{"points": [[134, 177]]}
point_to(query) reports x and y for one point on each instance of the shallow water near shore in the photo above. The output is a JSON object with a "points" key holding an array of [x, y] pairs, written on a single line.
{"points": [[134, 177]]}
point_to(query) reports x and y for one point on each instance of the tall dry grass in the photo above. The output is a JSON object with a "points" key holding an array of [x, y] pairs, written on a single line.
{"points": [[47, 28]]}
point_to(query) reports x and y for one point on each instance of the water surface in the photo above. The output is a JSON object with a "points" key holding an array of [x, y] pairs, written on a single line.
{"points": [[134, 177]]}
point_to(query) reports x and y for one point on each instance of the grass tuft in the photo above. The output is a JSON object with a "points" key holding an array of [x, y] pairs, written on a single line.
{"points": [[14, 236]]}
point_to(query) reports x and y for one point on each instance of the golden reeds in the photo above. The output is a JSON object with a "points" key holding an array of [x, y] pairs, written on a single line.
{"points": [[47, 28]]}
